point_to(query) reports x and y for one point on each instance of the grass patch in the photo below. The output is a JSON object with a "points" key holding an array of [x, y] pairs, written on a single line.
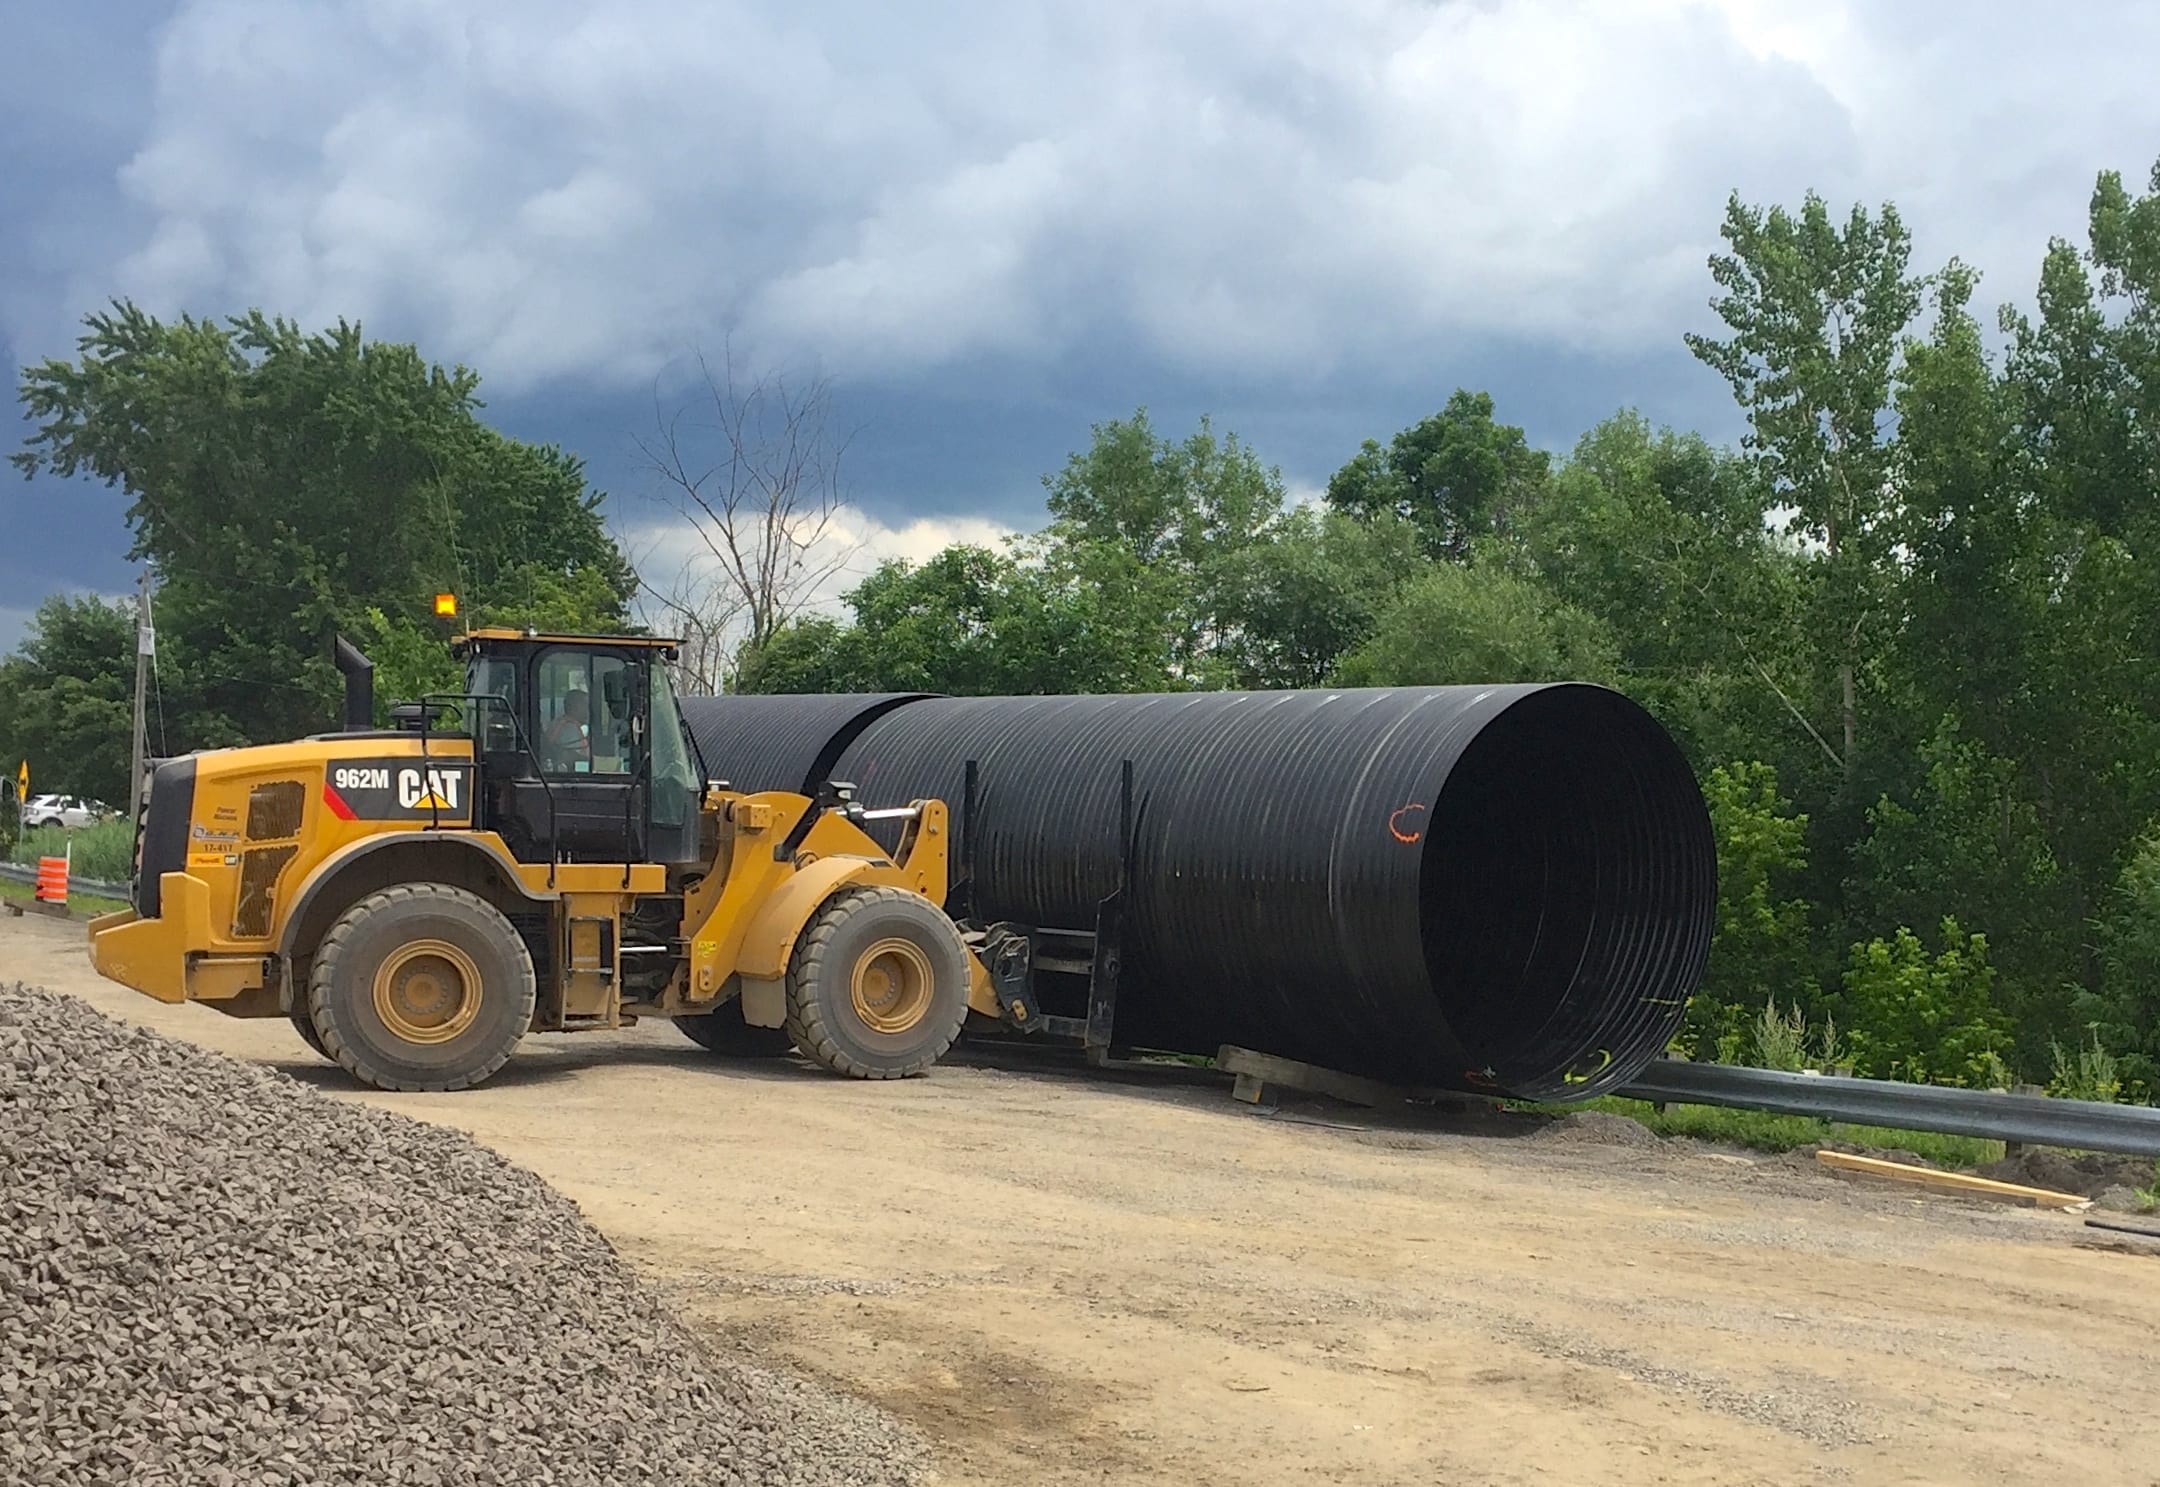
{"points": [[23, 892], [1763, 1132], [106, 850]]}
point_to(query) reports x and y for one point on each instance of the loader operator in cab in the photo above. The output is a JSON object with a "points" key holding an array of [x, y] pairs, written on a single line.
{"points": [[568, 742]]}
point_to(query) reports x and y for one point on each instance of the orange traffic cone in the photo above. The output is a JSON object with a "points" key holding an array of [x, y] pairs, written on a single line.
{"points": [[52, 880]]}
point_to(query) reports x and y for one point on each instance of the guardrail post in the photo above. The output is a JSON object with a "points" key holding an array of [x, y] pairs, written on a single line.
{"points": [[2013, 1149]]}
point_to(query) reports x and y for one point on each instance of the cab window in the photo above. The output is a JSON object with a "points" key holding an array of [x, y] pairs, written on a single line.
{"points": [[495, 676], [583, 711]]}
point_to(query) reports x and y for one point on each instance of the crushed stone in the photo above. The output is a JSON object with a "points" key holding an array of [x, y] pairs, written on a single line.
{"points": [[212, 1274]]}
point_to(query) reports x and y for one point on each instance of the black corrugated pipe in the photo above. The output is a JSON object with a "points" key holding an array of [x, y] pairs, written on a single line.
{"points": [[359, 685], [1505, 888], [759, 742]]}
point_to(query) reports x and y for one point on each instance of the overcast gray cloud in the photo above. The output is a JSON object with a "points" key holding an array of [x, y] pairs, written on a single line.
{"points": [[1340, 208], [1245, 188]]}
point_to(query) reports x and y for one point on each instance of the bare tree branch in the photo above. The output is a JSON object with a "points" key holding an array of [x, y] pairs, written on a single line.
{"points": [[753, 464], [702, 613]]}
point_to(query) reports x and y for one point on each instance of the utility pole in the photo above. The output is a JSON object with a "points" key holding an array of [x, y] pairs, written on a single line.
{"points": [[145, 649]]}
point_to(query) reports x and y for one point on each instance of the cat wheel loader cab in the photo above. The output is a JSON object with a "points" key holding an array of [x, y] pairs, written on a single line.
{"points": [[543, 851]]}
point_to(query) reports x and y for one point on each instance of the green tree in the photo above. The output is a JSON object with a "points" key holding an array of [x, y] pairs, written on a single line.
{"points": [[972, 622], [810, 654], [286, 484], [1290, 607], [1760, 950], [2077, 705], [1977, 563], [1661, 536], [67, 699], [2124, 1010], [1969, 845], [1463, 625], [1928, 1018], [1818, 315], [1170, 524], [1458, 477]]}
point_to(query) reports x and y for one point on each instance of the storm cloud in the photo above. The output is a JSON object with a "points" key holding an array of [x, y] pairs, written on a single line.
{"points": [[992, 224]]}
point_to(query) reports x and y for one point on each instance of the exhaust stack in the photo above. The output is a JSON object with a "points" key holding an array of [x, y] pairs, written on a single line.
{"points": [[359, 686]]}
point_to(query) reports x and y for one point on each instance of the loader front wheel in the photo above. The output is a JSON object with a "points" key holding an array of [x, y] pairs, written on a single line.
{"points": [[421, 987], [877, 987], [304, 1024], [724, 1032]]}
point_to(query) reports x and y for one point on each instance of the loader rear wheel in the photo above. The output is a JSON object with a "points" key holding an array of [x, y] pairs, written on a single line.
{"points": [[724, 1032], [877, 988], [421, 987]]}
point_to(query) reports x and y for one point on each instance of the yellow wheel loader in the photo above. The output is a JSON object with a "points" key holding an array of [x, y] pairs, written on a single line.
{"points": [[539, 853]]}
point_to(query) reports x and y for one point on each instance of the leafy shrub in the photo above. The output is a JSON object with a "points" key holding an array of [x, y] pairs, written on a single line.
{"points": [[1782, 1041], [1831, 1053], [2089, 1073], [1780, 1038], [1921, 1017]]}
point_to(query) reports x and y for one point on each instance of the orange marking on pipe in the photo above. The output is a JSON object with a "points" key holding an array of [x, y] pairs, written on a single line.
{"points": [[1394, 822]]}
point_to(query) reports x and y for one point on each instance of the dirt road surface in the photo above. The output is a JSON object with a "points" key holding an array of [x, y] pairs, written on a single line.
{"points": [[1065, 1278]]}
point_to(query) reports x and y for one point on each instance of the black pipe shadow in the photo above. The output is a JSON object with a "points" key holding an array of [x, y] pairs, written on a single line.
{"points": [[1162, 1079]]}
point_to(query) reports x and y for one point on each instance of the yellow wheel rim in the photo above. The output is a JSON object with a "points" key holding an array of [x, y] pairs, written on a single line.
{"points": [[892, 985], [427, 991]]}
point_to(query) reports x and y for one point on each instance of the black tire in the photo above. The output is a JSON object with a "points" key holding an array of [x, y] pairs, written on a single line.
{"points": [[304, 1025], [824, 1019], [725, 1033], [462, 1020]]}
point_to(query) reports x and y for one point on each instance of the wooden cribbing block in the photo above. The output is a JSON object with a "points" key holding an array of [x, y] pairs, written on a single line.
{"points": [[1255, 1071]]}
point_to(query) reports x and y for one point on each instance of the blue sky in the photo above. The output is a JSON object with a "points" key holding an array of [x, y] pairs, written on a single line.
{"points": [[993, 224]]}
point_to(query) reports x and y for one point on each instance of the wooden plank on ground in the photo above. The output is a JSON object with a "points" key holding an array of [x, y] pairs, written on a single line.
{"points": [[1984, 1187]]}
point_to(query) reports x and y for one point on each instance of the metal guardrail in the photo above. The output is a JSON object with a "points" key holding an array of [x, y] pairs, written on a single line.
{"points": [[2037, 1120], [23, 872]]}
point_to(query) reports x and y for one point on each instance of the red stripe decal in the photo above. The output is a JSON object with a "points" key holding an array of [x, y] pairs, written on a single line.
{"points": [[336, 802]]}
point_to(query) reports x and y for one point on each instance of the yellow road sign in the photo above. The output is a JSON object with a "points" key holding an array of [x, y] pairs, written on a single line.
{"points": [[22, 781]]}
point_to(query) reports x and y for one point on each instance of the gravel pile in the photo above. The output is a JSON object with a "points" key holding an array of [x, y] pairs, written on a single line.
{"points": [[2086, 1173], [1599, 1128], [211, 1274]]}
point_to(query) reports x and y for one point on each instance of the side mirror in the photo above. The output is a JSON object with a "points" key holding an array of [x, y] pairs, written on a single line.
{"points": [[615, 688]]}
